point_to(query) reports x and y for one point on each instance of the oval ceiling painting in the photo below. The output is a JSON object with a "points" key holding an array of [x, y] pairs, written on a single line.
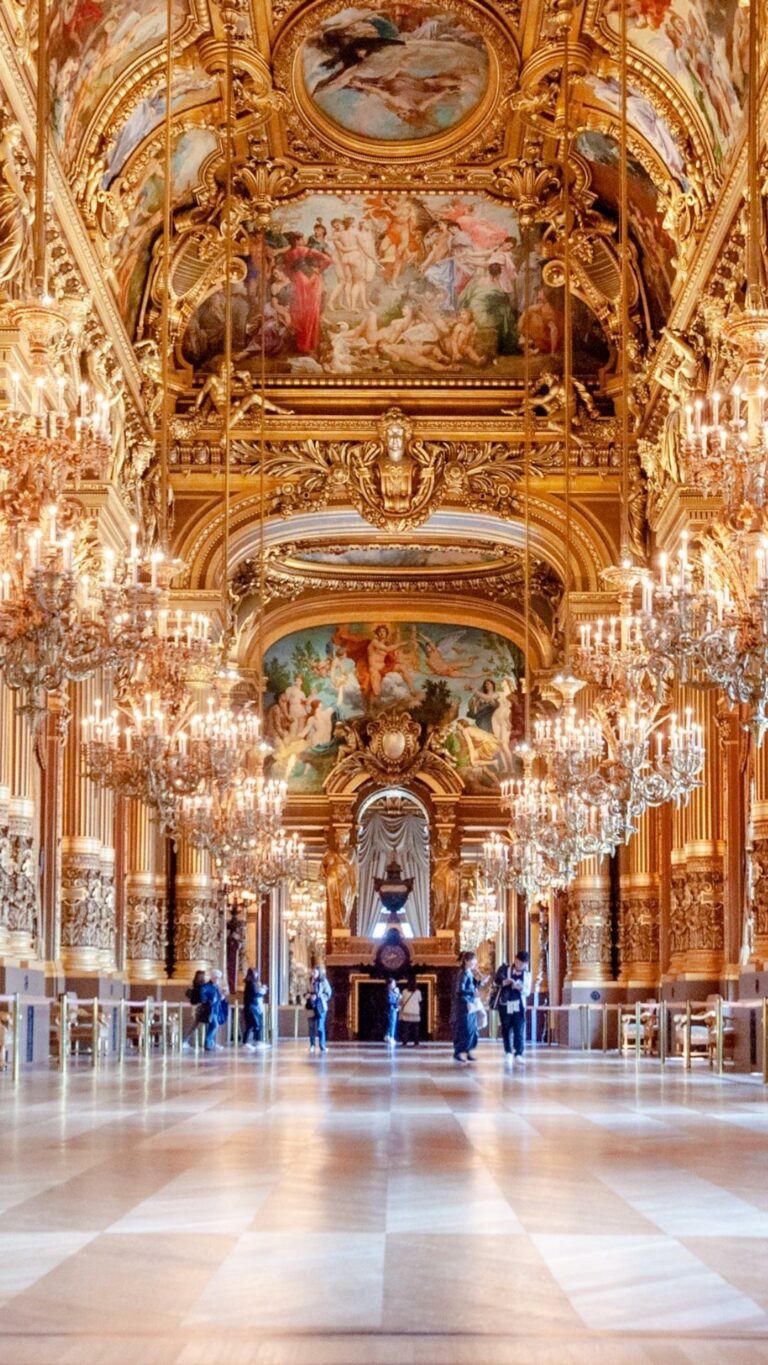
{"points": [[396, 72]]}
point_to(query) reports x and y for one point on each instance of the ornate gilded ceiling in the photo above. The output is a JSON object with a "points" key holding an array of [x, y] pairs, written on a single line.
{"points": [[398, 173]]}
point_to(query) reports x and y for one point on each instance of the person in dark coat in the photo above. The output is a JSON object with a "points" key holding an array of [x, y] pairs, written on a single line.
{"points": [[512, 986], [465, 1009], [320, 992], [253, 1008], [210, 1003], [199, 1015]]}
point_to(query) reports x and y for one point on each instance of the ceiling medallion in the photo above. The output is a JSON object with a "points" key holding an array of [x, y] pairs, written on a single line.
{"points": [[405, 82]]}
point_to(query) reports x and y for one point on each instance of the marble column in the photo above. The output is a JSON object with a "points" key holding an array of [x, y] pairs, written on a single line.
{"points": [[696, 921], [146, 905], [639, 907], [588, 926], [87, 899], [199, 930], [22, 919]]}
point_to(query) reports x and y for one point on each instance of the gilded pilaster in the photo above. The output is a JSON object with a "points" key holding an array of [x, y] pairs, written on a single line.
{"points": [[87, 869], [146, 907], [757, 936], [640, 906], [588, 926], [22, 912], [6, 775], [696, 928], [198, 939]]}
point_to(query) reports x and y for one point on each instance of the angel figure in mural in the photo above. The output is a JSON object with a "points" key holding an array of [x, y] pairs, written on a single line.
{"points": [[445, 659], [376, 656]]}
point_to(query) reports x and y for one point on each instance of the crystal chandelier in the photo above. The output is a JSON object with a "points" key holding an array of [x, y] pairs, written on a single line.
{"points": [[305, 914], [481, 919], [161, 758], [277, 859], [230, 819]]}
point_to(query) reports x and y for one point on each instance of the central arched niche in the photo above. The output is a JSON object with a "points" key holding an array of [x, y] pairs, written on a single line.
{"points": [[393, 823]]}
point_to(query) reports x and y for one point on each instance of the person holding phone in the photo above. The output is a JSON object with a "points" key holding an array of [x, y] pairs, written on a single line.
{"points": [[512, 986]]}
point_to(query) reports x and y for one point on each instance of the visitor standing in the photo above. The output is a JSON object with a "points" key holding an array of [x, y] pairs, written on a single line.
{"points": [[253, 1009], [210, 1005], [393, 1007], [465, 1009], [410, 1013], [317, 1002], [199, 1013], [512, 986]]}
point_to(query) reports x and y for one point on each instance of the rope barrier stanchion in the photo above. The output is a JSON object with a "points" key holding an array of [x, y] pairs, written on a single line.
{"points": [[663, 1032], [765, 1042], [95, 1032], [16, 1042], [121, 1027], [236, 1026], [605, 1028], [63, 1034], [719, 1041], [164, 1027], [687, 1037], [147, 1028], [638, 1031], [588, 1027]]}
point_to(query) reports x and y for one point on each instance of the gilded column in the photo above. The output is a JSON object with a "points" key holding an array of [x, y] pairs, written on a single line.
{"points": [[6, 777], [696, 928], [588, 926], [198, 939], [640, 907], [146, 907], [87, 908], [22, 920], [756, 936]]}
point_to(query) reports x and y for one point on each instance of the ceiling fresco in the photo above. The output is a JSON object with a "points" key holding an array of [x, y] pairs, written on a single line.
{"points": [[388, 285], [702, 45], [462, 682], [395, 73], [92, 44]]}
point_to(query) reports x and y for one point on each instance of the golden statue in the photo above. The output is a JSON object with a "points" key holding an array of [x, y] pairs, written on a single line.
{"points": [[340, 882], [446, 887], [396, 469]]}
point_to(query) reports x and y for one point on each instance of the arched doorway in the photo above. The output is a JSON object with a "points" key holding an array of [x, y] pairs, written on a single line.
{"points": [[393, 822]]}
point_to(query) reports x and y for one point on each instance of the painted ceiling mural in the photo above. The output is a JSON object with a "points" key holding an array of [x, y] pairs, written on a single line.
{"points": [[703, 46], [386, 284], [463, 681], [92, 43], [397, 72]]}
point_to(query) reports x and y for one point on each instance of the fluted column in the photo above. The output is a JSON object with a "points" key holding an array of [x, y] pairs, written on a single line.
{"points": [[588, 926], [640, 906], [757, 938], [146, 907], [87, 898], [696, 929], [198, 938], [22, 915]]}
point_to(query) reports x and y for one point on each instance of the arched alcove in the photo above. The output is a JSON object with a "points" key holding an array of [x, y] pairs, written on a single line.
{"points": [[392, 822]]}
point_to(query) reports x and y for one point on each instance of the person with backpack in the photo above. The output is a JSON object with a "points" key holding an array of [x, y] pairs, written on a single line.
{"points": [[199, 1015]]}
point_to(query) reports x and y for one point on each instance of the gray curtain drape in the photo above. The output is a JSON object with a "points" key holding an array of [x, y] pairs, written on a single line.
{"points": [[407, 836]]}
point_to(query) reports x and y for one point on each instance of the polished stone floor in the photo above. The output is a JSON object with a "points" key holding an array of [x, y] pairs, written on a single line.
{"points": [[360, 1208]]}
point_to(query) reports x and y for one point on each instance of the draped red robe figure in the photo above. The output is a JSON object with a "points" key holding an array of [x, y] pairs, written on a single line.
{"points": [[304, 266]]}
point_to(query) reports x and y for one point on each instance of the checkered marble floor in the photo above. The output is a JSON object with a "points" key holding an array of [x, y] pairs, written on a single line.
{"points": [[278, 1208]]}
